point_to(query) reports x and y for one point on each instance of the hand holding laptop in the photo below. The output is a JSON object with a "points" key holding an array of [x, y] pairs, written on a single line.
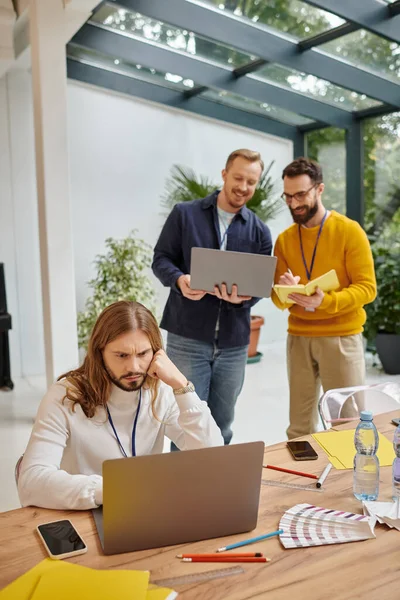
{"points": [[222, 293], [183, 284]]}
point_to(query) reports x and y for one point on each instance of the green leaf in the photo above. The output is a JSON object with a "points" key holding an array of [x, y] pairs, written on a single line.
{"points": [[184, 185], [122, 273]]}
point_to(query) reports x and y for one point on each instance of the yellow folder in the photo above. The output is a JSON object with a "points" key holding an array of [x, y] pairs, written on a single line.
{"points": [[23, 587], [339, 446], [54, 579], [82, 582], [327, 283]]}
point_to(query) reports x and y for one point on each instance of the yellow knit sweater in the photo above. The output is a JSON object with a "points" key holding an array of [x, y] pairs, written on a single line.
{"points": [[343, 246]]}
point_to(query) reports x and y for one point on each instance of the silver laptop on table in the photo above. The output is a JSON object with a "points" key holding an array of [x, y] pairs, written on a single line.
{"points": [[252, 273], [178, 497]]}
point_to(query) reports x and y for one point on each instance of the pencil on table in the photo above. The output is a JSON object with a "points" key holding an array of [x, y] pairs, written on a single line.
{"points": [[223, 558], [259, 538], [214, 554], [291, 471]]}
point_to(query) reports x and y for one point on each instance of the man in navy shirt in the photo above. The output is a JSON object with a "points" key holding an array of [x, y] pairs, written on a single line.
{"points": [[208, 334]]}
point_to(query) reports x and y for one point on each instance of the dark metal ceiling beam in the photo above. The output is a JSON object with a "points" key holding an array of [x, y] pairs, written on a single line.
{"points": [[198, 89], [394, 8], [249, 67], [142, 89], [374, 111], [268, 45], [373, 15], [327, 36], [312, 126], [205, 74], [239, 72]]}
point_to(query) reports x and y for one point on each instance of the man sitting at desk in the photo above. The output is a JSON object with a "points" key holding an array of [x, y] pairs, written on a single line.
{"points": [[122, 401]]}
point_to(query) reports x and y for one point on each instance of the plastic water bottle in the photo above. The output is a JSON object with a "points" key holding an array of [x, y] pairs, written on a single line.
{"points": [[396, 465], [366, 463]]}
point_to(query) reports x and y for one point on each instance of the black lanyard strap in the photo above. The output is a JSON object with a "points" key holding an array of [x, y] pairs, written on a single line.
{"points": [[309, 272], [133, 430]]}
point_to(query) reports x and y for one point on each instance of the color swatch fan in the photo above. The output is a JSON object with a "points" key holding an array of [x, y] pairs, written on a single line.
{"points": [[308, 525]]}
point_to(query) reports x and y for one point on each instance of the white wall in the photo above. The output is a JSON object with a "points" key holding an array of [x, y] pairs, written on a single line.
{"points": [[19, 244], [7, 238], [121, 152]]}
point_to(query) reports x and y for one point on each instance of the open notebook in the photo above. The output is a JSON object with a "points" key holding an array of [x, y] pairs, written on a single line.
{"points": [[327, 283]]}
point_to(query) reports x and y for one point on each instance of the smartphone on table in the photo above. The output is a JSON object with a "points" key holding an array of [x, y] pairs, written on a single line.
{"points": [[61, 539], [302, 450], [396, 422]]}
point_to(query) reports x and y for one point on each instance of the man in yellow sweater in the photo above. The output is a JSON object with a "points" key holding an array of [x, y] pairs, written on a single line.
{"points": [[324, 343]]}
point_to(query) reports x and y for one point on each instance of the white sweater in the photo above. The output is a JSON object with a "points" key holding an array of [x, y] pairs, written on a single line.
{"points": [[62, 464]]}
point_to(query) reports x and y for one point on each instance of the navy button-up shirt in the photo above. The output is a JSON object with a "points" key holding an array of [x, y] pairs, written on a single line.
{"points": [[195, 224]]}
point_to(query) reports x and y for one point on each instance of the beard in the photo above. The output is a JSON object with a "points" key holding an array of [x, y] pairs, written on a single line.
{"points": [[307, 213], [126, 386]]}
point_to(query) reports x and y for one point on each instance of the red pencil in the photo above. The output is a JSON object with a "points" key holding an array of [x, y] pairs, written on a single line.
{"points": [[221, 558], [214, 554], [290, 471]]}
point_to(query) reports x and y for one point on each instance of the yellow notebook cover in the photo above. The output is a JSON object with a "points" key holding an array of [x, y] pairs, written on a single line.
{"points": [[339, 446], [56, 579], [327, 283], [23, 587], [81, 582]]}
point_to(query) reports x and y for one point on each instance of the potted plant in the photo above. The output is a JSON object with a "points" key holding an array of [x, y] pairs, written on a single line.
{"points": [[184, 185], [383, 315], [121, 274]]}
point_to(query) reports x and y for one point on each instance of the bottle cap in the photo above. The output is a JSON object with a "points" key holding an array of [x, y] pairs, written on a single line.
{"points": [[366, 415]]}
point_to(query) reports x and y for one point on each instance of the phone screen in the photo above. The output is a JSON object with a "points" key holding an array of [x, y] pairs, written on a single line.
{"points": [[302, 450], [61, 537]]}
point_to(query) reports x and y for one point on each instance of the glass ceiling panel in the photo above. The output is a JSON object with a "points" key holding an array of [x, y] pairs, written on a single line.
{"points": [[116, 65], [368, 51], [139, 26], [260, 108], [296, 18], [309, 85]]}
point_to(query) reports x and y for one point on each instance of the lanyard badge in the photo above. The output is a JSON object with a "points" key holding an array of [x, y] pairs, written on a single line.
{"points": [[133, 429], [309, 272]]}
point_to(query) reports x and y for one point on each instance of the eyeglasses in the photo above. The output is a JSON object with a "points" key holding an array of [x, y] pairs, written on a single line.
{"points": [[299, 196]]}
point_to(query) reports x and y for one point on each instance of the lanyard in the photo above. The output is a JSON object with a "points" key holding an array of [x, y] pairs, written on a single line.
{"points": [[225, 232], [133, 430], [315, 248]]}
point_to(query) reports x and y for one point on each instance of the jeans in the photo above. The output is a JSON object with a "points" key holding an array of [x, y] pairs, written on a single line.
{"points": [[217, 375]]}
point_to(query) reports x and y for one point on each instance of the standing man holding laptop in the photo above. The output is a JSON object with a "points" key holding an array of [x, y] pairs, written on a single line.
{"points": [[208, 334]]}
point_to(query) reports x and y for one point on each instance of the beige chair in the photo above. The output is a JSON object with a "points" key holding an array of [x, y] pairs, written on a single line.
{"points": [[379, 398]]}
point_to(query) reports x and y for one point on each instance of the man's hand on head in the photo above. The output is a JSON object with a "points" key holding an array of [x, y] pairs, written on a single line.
{"points": [[162, 367], [183, 284], [221, 292]]}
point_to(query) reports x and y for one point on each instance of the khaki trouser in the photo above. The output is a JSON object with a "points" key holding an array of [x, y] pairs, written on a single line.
{"points": [[334, 362]]}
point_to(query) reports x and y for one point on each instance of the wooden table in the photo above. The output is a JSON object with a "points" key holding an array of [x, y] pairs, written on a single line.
{"points": [[367, 570]]}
